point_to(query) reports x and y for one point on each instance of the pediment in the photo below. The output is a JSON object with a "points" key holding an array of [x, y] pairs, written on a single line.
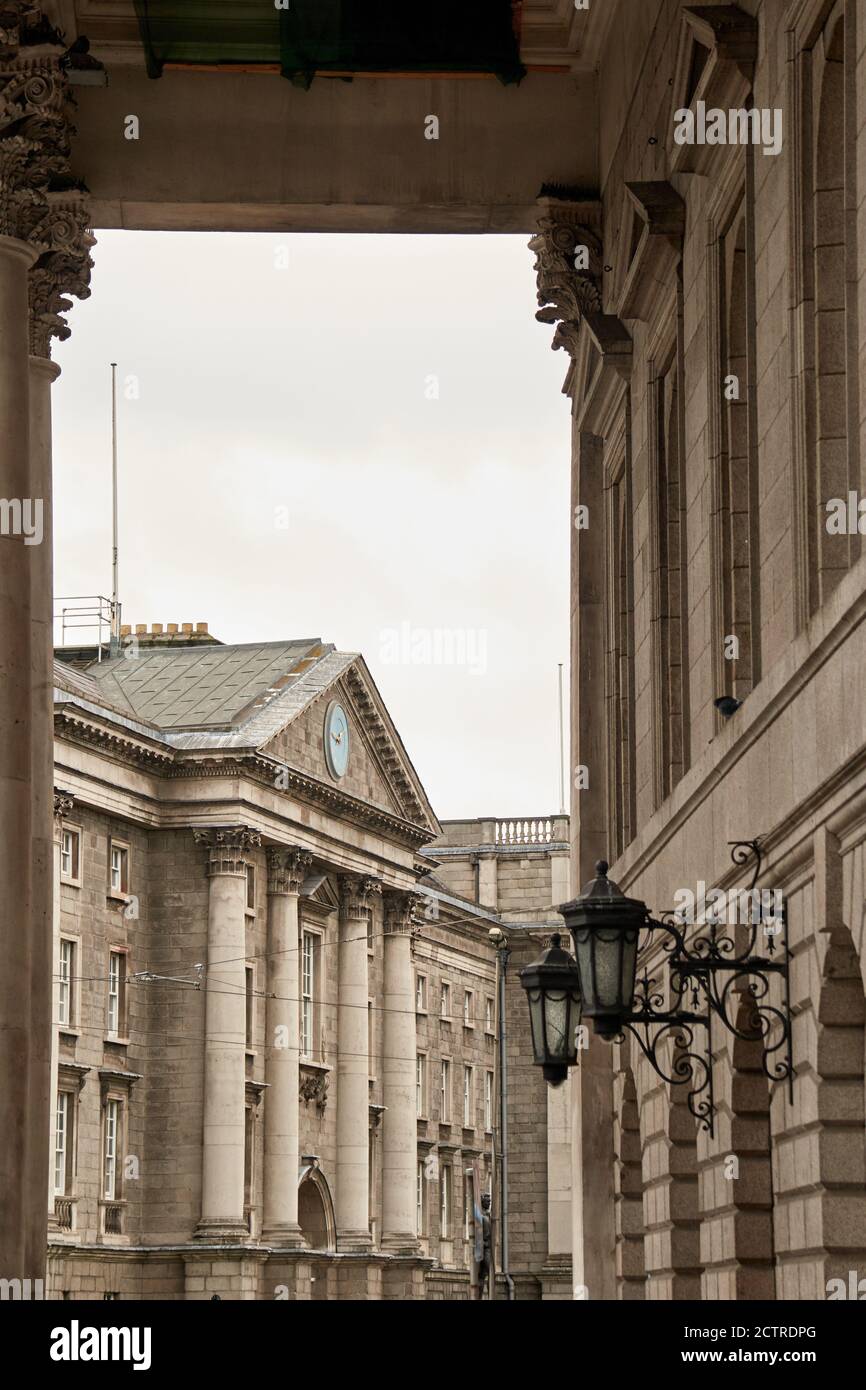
{"points": [[379, 774], [715, 65]]}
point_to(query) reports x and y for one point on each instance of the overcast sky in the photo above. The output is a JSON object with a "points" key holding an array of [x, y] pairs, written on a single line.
{"points": [[358, 438]]}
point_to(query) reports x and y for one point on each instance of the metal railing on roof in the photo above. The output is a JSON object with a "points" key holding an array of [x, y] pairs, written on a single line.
{"points": [[90, 614]]}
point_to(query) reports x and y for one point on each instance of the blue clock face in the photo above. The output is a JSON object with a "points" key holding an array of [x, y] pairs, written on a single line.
{"points": [[336, 739]]}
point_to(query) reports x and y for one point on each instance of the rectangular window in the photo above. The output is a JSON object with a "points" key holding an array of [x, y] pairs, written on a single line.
{"points": [[63, 1148], [371, 1039], [445, 1000], [250, 980], [420, 1202], [445, 1201], [70, 855], [110, 1184], [468, 1009], [445, 1094], [488, 1100], [118, 860], [468, 1206], [251, 890], [488, 1015], [421, 1085], [421, 994], [249, 1161], [65, 996], [468, 1098], [308, 991], [116, 994]]}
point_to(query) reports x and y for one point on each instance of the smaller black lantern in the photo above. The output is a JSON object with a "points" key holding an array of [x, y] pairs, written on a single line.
{"points": [[605, 925], [552, 986]]}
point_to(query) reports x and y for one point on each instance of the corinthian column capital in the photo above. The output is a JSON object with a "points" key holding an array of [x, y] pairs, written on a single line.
{"points": [[287, 868], [356, 893], [228, 846], [568, 265], [41, 203], [402, 910]]}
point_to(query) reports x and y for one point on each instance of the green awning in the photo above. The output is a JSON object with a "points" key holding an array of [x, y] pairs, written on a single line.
{"points": [[340, 36]]}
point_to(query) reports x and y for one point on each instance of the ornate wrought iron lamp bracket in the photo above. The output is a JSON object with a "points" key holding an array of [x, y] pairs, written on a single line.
{"points": [[720, 970]]}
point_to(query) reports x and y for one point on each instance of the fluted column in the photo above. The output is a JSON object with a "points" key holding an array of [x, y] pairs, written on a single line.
{"points": [[222, 1178], [399, 1136], [43, 222], [353, 1067], [287, 869]]}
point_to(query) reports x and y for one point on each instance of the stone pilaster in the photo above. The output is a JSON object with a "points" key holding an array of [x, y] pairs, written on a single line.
{"points": [[353, 1067], [287, 868], [222, 1199], [399, 1140]]}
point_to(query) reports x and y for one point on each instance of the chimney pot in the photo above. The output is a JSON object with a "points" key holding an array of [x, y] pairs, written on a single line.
{"points": [[187, 627], [125, 630], [156, 630], [172, 627], [140, 627], [201, 627]]}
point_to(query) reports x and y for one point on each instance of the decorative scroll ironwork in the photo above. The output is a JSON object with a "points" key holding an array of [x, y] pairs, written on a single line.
{"points": [[714, 974]]}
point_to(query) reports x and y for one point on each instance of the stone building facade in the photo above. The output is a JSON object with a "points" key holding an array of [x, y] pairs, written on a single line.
{"points": [[712, 299], [519, 869], [258, 1089]]}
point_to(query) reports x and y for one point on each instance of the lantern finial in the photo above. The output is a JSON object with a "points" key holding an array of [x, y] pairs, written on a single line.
{"points": [[602, 867]]}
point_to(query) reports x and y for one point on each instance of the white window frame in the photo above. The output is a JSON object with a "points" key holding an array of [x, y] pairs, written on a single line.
{"points": [[421, 1073], [468, 1008], [445, 1201], [66, 984], [116, 991], [112, 1124], [420, 994], [445, 1086], [445, 1000], [421, 1200], [309, 992], [250, 1008], [488, 1101], [468, 1096], [64, 1141], [122, 889], [67, 875]]}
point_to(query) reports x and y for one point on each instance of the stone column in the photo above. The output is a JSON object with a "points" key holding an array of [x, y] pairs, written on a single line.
{"points": [[400, 1126], [222, 1179], [43, 232], [353, 1115], [62, 807], [287, 868]]}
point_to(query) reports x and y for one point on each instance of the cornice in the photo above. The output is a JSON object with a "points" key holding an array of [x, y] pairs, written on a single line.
{"points": [[74, 725], [385, 749]]}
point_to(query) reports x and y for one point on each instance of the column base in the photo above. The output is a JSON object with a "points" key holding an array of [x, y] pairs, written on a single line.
{"points": [[399, 1243], [354, 1242], [284, 1236], [223, 1232]]}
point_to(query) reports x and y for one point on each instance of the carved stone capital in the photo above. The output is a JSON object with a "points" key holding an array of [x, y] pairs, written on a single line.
{"points": [[568, 266], [228, 846], [41, 203], [355, 894], [287, 868], [313, 1086], [402, 911], [63, 804]]}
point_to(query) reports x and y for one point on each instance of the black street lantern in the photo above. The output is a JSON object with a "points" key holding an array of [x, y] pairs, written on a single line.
{"points": [[552, 986], [605, 926]]}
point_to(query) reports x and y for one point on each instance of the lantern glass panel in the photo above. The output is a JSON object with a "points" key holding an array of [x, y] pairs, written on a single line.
{"points": [[556, 1013], [536, 1019]]}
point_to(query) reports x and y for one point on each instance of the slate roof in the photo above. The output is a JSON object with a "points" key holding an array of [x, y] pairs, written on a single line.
{"points": [[213, 688]]}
